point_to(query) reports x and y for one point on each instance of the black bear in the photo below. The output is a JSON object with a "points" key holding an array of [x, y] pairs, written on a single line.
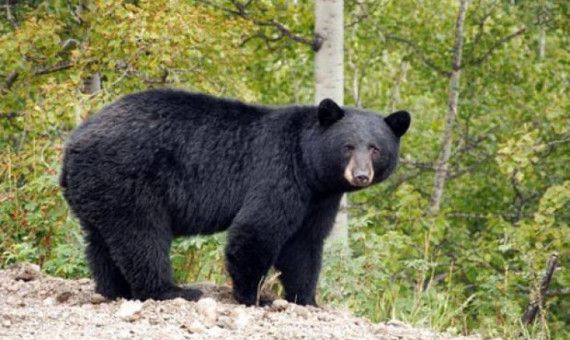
{"points": [[165, 163]]}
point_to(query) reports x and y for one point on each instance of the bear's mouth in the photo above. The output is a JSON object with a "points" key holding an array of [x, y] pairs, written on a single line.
{"points": [[359, 177], [359, 182]]}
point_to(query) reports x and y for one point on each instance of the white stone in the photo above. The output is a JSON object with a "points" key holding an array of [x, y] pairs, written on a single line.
{"points": [[207, 307], [240, 317], [97, 299], [130, 310], [49, 301], [397, 323], [196, 327], [180, 301], [280, 305], [302, 311]]}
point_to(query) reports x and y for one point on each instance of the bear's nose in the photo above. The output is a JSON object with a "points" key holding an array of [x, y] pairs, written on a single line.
{"points": [[361, 178]]}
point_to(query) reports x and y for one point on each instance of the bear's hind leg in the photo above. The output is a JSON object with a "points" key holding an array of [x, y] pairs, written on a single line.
{"points": [[108, 278], [142, 253]]}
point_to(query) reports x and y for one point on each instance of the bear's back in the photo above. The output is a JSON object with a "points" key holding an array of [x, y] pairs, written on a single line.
{"points": [[182, 105]]}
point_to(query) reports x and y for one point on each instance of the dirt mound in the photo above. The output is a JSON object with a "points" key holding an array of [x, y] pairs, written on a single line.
{"points": [[38, 306]]}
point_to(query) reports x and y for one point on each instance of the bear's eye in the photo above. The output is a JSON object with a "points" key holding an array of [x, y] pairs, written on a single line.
{"points": [[348, 148], [374, 150]]}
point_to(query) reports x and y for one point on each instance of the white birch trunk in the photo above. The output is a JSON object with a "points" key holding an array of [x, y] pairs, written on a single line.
{"points": [[395, 97], [442, 165], [542, 42], [329, 79]]}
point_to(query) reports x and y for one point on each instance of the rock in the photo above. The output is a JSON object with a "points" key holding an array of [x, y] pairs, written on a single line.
{"points": [[240, 318], [84, 281], [215, 331], [207, 308], [6, 323], [15, 301], [195, 327], [63, 297], [226, 322], [155, 320], [180, 301], [397, 323], [302, 311], [149, 304], [279, 305], [130, 311], [97, 299], [27, 272], [49, 301]]}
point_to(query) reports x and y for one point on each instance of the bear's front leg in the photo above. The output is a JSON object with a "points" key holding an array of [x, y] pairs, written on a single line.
{"points": [[255, 239], [300, 265], [249, 255], [300, 258]]}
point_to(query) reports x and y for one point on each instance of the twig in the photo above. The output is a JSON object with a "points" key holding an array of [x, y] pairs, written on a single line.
{"points": [[555, 292], [9, 14], [519, 201], [13, 77], [10, 80], [223, 9], [419, 53], [538, 303], [60, 67], [161, 80], [315, 43], [497, 44], [481, 25]]}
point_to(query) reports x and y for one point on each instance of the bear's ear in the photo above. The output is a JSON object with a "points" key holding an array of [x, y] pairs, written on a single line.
{"points": [[329, 112], [399, 122]]}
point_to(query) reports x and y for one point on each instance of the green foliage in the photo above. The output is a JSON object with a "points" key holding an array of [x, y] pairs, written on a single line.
{"points": [[199, 259], [471, 268]]}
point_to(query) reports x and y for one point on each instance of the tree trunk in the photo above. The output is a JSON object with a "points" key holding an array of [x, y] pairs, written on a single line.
{"points": [[354, 65], [329, 79], [542, 43], [442, 165], [395, 97]]}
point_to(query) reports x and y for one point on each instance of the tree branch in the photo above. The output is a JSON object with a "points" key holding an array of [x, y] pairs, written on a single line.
{"points": [[13, 77], [499, 43], [538, 303], [161, 80], [314, 43], [56, 68], [556, 292], [420, 165], [481, 24], [519, 201], [418, 52], [223, 9], [10, 80]]}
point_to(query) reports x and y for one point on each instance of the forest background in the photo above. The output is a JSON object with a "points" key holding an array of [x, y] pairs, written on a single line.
{"points": [[474, 264]]}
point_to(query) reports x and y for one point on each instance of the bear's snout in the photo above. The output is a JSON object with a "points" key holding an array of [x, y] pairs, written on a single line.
{"points": [[359, 172], [361, 178]]}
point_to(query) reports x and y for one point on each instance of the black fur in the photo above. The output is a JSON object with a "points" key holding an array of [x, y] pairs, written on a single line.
{"points": [[164, 163]]}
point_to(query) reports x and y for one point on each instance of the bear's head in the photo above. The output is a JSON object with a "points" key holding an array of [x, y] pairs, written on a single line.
{"points": [[356, 148]]}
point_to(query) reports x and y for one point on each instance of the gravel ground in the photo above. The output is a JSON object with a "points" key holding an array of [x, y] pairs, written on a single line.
{"points": [[38, 306]]}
